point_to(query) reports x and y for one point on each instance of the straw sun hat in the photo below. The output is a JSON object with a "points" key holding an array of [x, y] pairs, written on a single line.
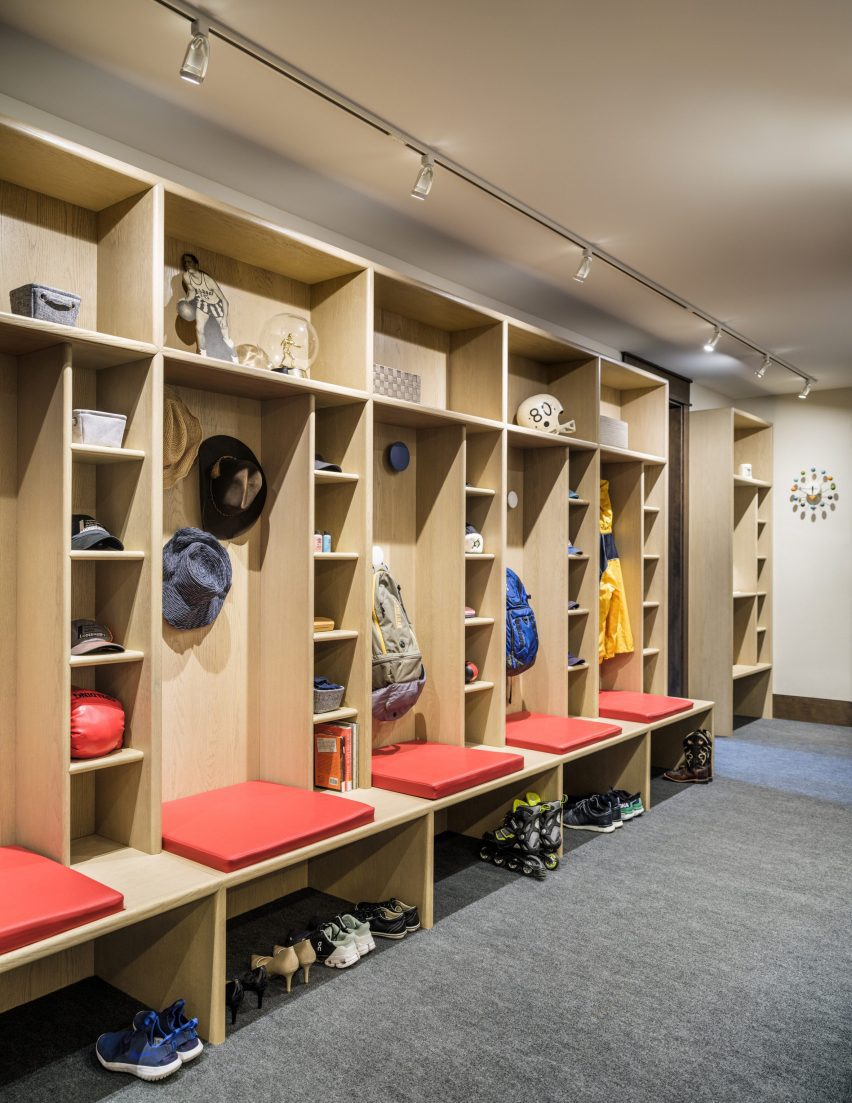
{"points": [[181, 440]]}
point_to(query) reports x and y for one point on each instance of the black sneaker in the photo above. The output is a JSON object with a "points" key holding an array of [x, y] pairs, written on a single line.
{"points": [[611, 800], [383, 922], [407, 911], [587, 816]]}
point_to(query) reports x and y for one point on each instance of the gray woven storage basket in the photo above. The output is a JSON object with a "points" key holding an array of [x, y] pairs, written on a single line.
{"points": [[48, 304], [395, 383], [327, 700]]}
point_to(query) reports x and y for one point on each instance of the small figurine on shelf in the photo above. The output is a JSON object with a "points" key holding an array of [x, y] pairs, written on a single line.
{"points": [[208, 308], [291, 344]]}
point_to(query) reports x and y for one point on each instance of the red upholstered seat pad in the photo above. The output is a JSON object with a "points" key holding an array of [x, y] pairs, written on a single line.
{"points": [[555, 734], [644, 708], [40, 898], [243, 824], [434, 770]]}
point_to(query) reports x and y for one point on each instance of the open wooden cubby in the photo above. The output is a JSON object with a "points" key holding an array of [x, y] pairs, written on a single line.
{"points": [[536, 549], [418, 521], [263, 272], [78, 227], [539, 364], [730, 588], [233, 701], [456, 351], [640, 399]]}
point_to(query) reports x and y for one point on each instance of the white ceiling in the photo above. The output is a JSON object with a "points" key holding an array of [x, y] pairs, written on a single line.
{"points": [[707, 145]]}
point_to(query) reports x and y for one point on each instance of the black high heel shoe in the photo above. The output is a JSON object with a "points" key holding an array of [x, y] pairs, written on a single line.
{"points": [[234, 995], [256, 980]]}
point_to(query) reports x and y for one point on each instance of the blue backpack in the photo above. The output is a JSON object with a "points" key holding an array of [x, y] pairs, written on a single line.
{"points": [[521, 631]]}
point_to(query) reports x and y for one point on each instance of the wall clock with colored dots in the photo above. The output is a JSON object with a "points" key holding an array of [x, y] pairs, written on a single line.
{"points": [[814, 492]]}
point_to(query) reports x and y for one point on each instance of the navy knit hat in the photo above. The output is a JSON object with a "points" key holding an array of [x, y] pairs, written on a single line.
{"points": [[196, 578]]}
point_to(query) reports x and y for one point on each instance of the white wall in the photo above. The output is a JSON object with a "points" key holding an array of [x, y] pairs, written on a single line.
{"points": [[703, 398], [813, 559]]}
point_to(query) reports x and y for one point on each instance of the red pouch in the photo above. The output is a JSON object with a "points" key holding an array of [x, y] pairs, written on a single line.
{"points": [[97, 723]]}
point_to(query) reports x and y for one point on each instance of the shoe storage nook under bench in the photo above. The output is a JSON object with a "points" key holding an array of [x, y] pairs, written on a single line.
{"points": [[230, 704]]}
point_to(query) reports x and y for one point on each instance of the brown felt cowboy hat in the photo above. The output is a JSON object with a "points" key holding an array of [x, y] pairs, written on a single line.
{"points": [[181, 438], [233, 487]]}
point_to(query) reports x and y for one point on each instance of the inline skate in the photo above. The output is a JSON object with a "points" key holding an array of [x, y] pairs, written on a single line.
{"points": [[517, 843]]}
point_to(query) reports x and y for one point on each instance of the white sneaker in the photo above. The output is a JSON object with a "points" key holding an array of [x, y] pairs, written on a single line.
{"points": [[360, 932]]}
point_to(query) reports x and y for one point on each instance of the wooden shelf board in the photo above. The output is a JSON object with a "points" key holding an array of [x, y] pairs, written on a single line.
{"points": [[761, 521], [745, 670], [108, 658], [519, 437], [396, 411], [628, 455], [479, 555], [478, 622], [342, 556], [744, 595], [479, 492], [577, 669], [761, 557], [188, 369], [478, 687], [120, 757], [761, 628], [650, 604], [648, 651], [581, 558], [93, 555], [335, 714], [740, 480], [743, 420], [93, 453], [579, 502], [651, 509], [322, 477], [649, 556], [578, 612], [19, 336], [337, 634]]}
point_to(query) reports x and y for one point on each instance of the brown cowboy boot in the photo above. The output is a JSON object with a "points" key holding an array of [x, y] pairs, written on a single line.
{"points": [[697, 766]]}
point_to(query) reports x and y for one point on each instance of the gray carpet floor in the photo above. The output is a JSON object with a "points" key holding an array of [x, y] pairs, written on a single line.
{"points": [[701, 954]]}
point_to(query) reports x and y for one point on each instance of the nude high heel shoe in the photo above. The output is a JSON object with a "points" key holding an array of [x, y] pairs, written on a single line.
{"points": [[305, 953], [284, 962]]}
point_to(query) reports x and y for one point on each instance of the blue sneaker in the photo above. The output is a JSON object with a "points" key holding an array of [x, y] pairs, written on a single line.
{"points": [[173, 1024], [140, 1051]]}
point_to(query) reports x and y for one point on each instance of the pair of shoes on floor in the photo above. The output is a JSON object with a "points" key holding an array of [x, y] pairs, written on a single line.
{"points": [[295, 953], [255, 980], [341, 941], [697, 768], [602, 812], [389, 918], [156, 1045]]}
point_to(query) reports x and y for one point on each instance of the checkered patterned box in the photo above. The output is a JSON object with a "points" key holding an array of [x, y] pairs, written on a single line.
{"points": [[395, 383]]}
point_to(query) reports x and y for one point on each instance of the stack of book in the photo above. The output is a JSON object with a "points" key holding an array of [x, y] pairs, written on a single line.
{"points": [[336, 756]]}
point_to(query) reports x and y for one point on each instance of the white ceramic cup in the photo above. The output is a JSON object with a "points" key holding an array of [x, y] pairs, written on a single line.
{"points": [[745, 470]]}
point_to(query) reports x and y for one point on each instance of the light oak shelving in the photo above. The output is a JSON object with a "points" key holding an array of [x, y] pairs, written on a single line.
{"points": [[233, 701], [730, 587]]}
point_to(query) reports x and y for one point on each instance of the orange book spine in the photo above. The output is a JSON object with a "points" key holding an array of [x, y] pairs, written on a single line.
{"points": [[329, 761], [347, 750]]}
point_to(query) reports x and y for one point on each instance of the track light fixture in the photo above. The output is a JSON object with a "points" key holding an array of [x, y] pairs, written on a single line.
{"points": [[764, 367], [425, 176], [197, 56], [711, 342], [806, 390], [585, 266]]}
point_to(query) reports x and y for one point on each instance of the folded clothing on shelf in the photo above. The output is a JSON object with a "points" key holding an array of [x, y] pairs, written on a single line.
{"points": [[252, 821], [644, 708], [42, 898], [536, 731], [434, 770]]}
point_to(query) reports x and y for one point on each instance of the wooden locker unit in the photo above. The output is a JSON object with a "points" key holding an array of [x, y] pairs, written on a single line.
{"points": [[233, 701], [730, 577]]}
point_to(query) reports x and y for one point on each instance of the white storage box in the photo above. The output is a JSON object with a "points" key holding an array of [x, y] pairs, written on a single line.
{"points": [[97, 427], [613, 432]]}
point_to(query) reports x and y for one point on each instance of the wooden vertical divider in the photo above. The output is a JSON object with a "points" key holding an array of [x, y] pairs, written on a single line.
{"points": [[130, 248], [8, 589], [341, 310], [625, 491], [283, 639], [42, 806], [583, 581]]}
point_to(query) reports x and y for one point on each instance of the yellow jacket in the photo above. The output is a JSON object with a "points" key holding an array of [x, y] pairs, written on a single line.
{"points": [[615, 637]]}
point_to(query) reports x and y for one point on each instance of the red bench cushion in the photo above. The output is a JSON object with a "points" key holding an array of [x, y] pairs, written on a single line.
{"points": [[242, 824], [434, 770], [644, 708], [555, 734], [41, 898]]}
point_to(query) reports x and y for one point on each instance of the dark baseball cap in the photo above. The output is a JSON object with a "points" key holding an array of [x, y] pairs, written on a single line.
{"points": [[87, 534], [323, 465], [88, 637]]}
